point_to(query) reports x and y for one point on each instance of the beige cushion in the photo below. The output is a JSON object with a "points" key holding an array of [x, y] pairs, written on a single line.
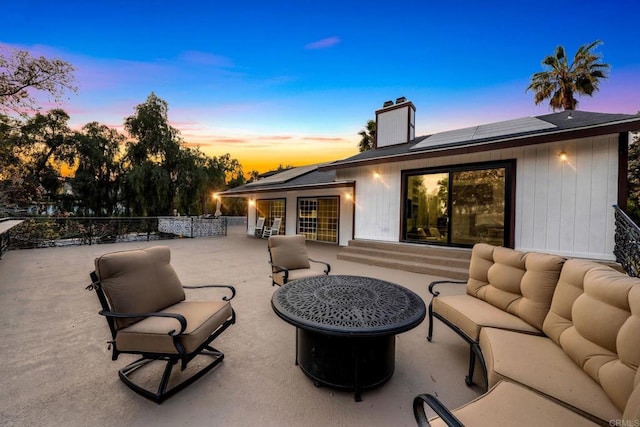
{"points": [[289, 251], [537, 287], [508, 404], [139, 281], [151, 334], [519, 283], [471, 314], [538, 363], [295, 274], [481, 261], [604, 338], [569, 288], [632, 410]]}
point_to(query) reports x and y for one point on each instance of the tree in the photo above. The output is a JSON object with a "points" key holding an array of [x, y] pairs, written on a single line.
{"points": [[21, 75], [561, 81], [153, 157], [96, 180], [368, 136], [45, 145]]}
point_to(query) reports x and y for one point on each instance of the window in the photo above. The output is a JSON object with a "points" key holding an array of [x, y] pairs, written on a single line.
{"points": [[318, 218], [459, 206]]}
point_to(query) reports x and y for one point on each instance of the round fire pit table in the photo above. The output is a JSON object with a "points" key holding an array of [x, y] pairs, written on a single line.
{"points": [[346, 327]]}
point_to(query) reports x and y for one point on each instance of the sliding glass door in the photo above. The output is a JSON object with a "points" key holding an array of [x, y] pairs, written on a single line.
{"points": [[318, 218], [459, 206]]}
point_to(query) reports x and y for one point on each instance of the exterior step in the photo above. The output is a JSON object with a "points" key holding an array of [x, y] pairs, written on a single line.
{"points": [[451, 263]]}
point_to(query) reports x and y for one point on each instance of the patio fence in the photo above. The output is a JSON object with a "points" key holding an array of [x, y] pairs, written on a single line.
{"points": [[627, 243], [44, 232]]}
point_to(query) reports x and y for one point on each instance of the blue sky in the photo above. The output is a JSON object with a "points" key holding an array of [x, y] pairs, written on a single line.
{"points": [[293, 82]]}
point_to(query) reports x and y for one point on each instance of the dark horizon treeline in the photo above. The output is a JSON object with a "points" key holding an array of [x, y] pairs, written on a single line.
{"points": [[97, 171]]}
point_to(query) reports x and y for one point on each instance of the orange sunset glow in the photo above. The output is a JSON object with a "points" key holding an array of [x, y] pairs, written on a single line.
{"points": [[265, 153]]}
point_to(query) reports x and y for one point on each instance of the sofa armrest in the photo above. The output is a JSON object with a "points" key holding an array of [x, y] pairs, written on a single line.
{"points": [[225, 298], [445, 414], [328, 267], [437, 282]]}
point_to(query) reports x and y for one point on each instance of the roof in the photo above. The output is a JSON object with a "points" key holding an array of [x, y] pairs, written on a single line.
{"points": [[301, 177], [509, 133]]}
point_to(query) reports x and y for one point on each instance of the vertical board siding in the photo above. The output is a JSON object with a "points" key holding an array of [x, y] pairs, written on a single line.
{"points": [[560, 207]]}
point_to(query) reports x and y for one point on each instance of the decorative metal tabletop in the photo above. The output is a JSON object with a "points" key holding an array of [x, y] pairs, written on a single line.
{"points": [[349, 305]]}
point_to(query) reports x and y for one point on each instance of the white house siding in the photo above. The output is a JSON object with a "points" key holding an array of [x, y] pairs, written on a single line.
{"points": [[563, 208], [291, 205]]}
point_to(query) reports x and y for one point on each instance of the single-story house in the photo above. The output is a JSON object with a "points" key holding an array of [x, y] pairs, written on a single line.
{"points": [[546, 183], [309, 201]]}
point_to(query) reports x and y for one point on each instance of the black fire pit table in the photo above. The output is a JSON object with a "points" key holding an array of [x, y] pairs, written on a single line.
{"points": [[346, 327]]}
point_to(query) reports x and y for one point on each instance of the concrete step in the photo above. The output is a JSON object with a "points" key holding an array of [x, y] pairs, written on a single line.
{"points": [[451, 263], [413, 248], [407, 256]]}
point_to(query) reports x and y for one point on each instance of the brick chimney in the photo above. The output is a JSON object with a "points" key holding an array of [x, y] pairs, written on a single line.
{"points": [[395, 123]]}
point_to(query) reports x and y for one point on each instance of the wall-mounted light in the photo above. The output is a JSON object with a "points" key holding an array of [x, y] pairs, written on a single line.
{"points": [[252, 202], [348, 196], [376, 175], [563, 156]]}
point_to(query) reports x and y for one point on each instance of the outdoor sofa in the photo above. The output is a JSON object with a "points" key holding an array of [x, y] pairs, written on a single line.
{"points": [[556, 338]]}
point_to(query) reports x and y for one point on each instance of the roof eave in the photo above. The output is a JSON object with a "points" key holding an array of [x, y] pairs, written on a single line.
{"points": [[474, 147], [242, 193]]}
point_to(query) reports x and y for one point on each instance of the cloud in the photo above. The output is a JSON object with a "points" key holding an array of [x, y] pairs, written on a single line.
{"points": [[324, 43], [205, 58]]}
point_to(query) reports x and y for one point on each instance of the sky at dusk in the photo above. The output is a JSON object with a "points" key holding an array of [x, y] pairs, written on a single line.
{"points": [[293, 82]]}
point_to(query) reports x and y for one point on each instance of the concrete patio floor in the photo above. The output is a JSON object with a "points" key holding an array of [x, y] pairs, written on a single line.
{"points": [[56, 369]]}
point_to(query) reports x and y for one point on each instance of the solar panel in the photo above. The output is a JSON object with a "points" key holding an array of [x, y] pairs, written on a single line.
{"points": [[285, 175], [491, 130]]}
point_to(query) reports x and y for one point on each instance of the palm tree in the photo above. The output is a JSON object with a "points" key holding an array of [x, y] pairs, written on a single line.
{"points": [[368, 136], [562, 81]]}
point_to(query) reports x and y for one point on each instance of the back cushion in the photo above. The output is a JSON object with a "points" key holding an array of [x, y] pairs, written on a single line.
{"points": [[481, 261], [504, 276], [289, 251], [139, 281], [569, 288], [604, 338], [537, 287], [519, 283]]}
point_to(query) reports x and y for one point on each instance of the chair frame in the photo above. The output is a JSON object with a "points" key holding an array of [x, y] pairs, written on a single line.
{"points": [[474, 350], [275, 268], [170, 359], [442, 411]]}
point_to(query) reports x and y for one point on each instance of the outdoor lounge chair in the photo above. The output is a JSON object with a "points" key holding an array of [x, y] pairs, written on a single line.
{"points": [[259, 227], [273, 230], [290, 260], [144, 304]]}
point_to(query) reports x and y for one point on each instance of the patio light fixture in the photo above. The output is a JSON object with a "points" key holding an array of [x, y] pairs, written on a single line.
{"points": [[563, 156]]}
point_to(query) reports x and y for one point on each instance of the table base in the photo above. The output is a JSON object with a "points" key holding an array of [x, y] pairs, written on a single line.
{"points": [[345, 362]]}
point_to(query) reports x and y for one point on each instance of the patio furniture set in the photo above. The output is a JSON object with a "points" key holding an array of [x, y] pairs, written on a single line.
{"points": [[557, 339]]}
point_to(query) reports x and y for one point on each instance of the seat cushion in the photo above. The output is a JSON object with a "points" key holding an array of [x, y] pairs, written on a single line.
{"points": [[507, 403], [538, 363], [470, 314], [296, 274], [151, 334]]}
